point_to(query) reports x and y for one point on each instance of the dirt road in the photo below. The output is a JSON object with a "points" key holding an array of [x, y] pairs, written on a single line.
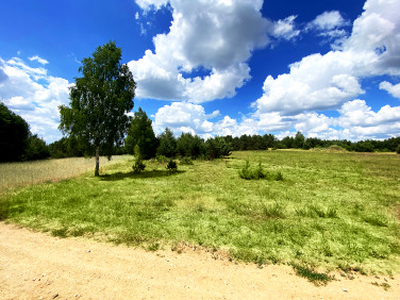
{"points": [[38, 266]]}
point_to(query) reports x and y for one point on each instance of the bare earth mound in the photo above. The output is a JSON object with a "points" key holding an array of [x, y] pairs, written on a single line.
{"points": [[38, 266]]}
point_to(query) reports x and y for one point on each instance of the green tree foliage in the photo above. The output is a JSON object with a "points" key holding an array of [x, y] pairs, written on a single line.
{"points": [[288, 142], [98, 103], [141, 133], [167, 146], [190, 146], [299, 140], [66, 147], [217, 147], [269, 140], [37, 148], [16, 141], [14, 135]]}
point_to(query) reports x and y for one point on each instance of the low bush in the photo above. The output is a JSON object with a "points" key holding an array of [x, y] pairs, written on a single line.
{"points": [[186, 161], [172, 166], [162, 158], [138, 166], [249, 173], [245, 172], [279, 176]]}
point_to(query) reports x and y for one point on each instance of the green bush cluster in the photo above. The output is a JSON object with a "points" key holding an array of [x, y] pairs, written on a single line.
{"points": [[249, 173], [162, 159], [186, 161], [172, 166]]}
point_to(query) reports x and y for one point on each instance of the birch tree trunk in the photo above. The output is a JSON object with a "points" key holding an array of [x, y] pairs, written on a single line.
{"points": [[96, 171]]}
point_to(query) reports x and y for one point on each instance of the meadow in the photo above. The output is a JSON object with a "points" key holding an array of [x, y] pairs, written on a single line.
{"points": [[325, 211]]}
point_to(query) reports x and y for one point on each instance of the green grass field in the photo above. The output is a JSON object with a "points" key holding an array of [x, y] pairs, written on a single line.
{"points": [[330, 211]]}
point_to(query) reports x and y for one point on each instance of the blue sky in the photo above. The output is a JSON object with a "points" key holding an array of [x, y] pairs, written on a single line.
{"points": [[330, 69]]}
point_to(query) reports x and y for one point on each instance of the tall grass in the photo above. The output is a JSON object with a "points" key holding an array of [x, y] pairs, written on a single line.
{"points": [[332, 210], [32, 172]]}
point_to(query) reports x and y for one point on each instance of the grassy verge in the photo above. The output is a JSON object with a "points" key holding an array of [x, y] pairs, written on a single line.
{"points": [[329, 210]]}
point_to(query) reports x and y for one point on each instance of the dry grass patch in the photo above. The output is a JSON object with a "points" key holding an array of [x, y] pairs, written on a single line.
{"points": [[49, 170]]}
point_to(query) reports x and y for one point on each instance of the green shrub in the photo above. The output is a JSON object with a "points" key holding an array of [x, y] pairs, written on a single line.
{"points": [[186, 161], [172, 166], [245, 172], [249, 173], [279, 176], [162, 159], [259, 172], [138, 166]]}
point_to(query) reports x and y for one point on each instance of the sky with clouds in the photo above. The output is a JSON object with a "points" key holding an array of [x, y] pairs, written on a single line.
{"points": [[330, 69]]}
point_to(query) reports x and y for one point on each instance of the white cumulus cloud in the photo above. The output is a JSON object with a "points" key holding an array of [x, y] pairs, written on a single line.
{"points": [[317, 82], [184, 117], [286, 29], [329, 25], [325, 82], [394, 90], [217, 37], [328, 21], [38, 59], [34, 95], [362, 122]]}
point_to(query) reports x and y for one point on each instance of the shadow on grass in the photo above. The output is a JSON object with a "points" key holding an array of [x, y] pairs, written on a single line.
{"points": [[142, 175]]}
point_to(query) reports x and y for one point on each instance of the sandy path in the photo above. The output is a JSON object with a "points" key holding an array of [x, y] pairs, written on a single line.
{"points": [[37, 266]]}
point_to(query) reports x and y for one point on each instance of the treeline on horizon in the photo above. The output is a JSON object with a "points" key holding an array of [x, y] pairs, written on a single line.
{"points": [[188, 145], [17, 143]]}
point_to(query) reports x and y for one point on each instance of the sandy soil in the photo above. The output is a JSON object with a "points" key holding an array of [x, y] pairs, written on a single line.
{"points": [[38, 266]]}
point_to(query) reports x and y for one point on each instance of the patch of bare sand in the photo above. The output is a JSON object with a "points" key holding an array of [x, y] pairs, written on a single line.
{"points": [[38, 266]]}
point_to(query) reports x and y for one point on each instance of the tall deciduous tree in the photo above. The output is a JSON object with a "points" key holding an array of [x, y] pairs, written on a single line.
{"points": [[98, 103], [141, 133]]}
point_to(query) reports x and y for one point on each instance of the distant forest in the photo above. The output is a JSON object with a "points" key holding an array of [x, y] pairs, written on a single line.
{"points": [[17, 143], [186, 145]]}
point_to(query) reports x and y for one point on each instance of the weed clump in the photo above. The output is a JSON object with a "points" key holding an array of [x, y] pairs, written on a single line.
{"points": [[274, 211], [315, 211], [313, 276]]}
